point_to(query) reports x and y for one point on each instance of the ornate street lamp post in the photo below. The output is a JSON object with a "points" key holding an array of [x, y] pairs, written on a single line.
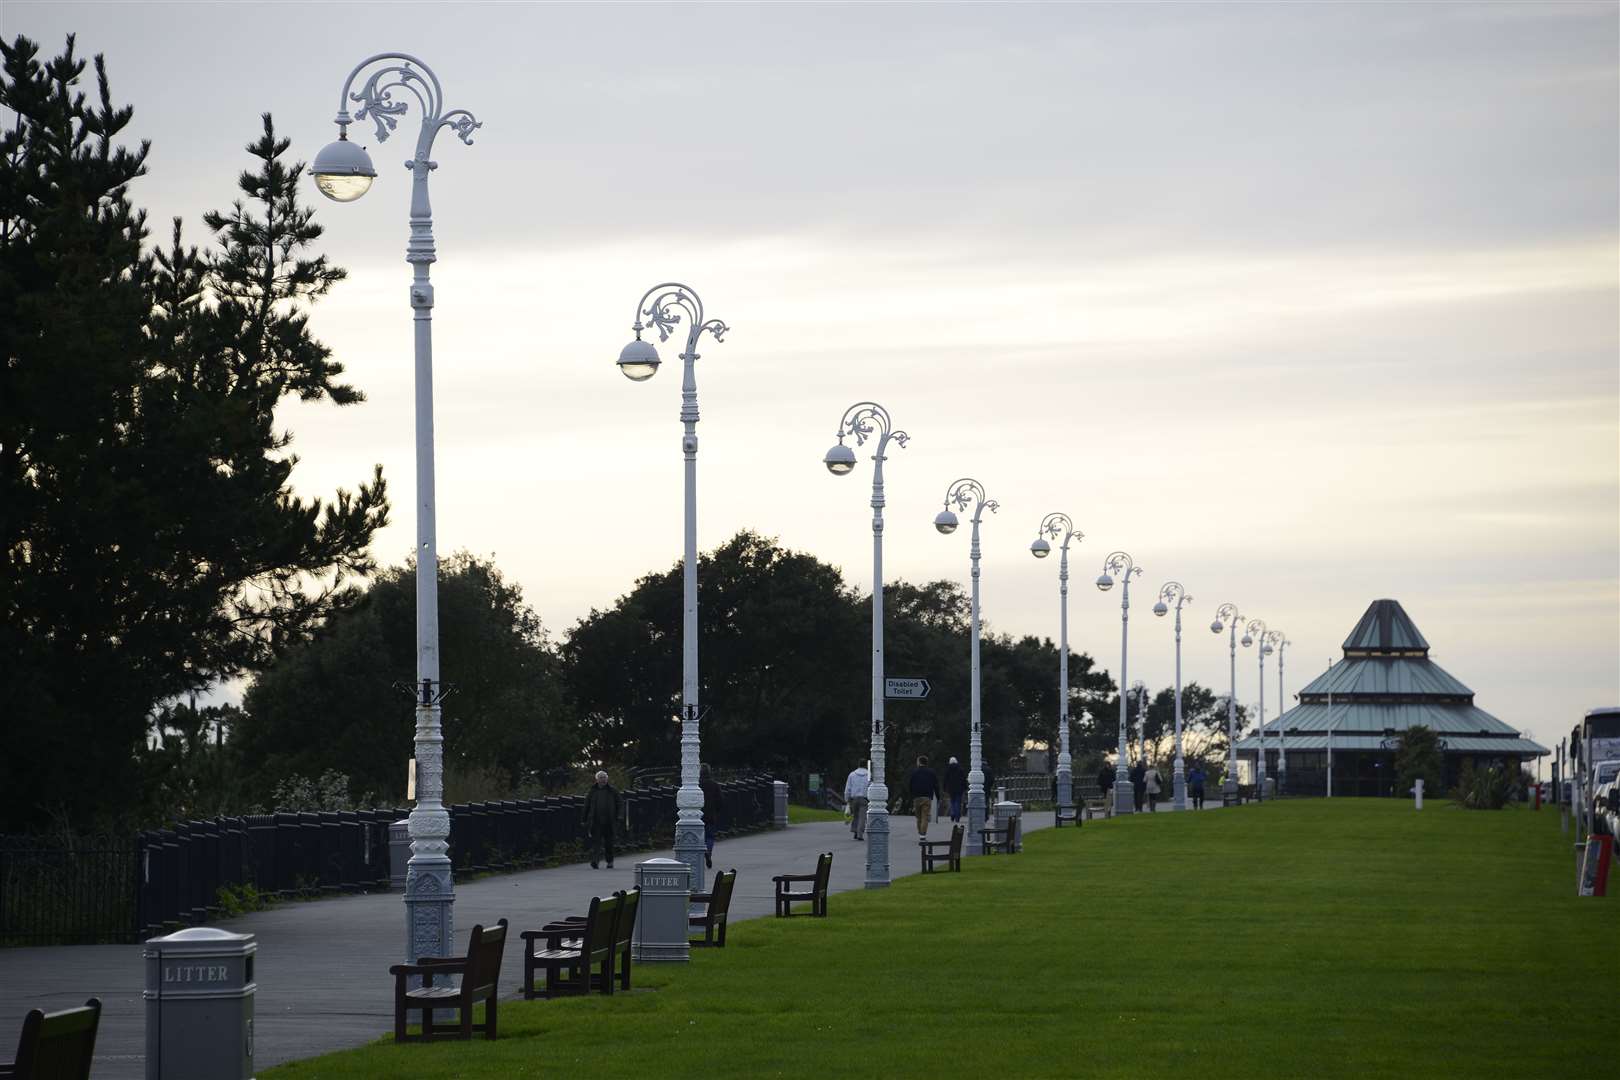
{"points": [[1255, 634], [1227, 618], [1139, 688], [1120, 565], [1061, 527], [965, 493], [344, 172], [865, 420], [1174, 593], [663, 306], [1280, 641]]}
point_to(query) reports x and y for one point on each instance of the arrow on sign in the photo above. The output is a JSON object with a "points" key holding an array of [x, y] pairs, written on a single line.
{"points": [[905, 689]]}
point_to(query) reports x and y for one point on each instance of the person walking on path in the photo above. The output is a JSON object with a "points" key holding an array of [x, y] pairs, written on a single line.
{"points": [[955, 787], [714, 802], [603, 806], [924, 786], [1105, 780], [1151, 781], [855, 798], [1138, 775], [1195, 782]]}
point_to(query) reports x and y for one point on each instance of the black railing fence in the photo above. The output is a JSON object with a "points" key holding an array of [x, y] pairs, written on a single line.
{"points": [[195, 870]]}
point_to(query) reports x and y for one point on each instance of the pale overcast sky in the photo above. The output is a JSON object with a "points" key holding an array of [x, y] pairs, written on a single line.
{"points": [[1302, 305]]}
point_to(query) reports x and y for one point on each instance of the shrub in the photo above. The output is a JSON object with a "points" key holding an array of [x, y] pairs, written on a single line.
{"points": [[1490, 788]]}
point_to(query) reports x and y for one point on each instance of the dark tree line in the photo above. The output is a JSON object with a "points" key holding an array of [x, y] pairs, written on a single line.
{"points": [[152, 542]]}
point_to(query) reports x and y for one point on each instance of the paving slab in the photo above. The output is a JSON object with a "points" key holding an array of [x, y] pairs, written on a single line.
{"points": [[322, 965]]}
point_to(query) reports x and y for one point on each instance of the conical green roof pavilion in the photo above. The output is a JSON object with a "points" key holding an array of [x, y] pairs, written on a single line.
{"points": [[1385, 684]]}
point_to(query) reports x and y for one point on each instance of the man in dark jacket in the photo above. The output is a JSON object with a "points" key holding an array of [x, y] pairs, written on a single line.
{"points": [[603, 809], [1105, 778], [714, 802], [1138, 776], [955, 787], [924, 784]]}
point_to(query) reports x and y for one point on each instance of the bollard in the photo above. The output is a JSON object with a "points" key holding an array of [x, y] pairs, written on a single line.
{"points": [[779, 817], [661, 932], [1417, 792], [199, 1005]]}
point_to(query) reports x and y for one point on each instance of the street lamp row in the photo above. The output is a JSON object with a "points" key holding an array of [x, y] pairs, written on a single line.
{"points": [[343, 171]]}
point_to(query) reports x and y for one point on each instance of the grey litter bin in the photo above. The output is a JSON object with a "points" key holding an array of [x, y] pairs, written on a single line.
{"points": [[199, 1005], [1009, 812], [779, 810], [662, 931], [399, 852]]}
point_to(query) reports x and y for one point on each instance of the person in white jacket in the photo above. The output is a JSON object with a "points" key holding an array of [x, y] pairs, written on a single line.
{"points": [[855, 798]]}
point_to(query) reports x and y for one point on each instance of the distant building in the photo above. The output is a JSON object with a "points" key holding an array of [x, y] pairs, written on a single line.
{"points": [[1386, 684]]}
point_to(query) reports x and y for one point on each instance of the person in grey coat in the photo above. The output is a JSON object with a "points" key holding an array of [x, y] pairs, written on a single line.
{"points": [[604, 806]]}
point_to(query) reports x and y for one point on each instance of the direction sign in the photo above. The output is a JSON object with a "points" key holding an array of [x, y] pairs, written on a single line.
{"points": [[905, 689]]}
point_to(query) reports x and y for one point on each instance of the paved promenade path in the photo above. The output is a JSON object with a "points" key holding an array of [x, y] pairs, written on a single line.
{"points": [[322, 965]]}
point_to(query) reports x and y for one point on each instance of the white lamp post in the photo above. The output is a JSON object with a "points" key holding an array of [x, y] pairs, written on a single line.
{"points": [[1139, 688], [1255, 634], [965, 493], [1330, 730], [1061, 526], [864, 420], [343, 172], [1174, 593], [1120, 565], [1227, 618], [664, 305], [1280, 641]]}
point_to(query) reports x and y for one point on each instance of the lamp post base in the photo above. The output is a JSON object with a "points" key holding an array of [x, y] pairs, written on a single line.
{"points": [[877, 845], [1178, 788], [975, 816], [430, 898], [1124, 795], [1282, 781], [1065, 789], [1229, 790], [690, 849]]}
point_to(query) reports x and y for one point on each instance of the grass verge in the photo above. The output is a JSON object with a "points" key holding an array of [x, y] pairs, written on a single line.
{"points": [[1348, 938], [798, 815]]}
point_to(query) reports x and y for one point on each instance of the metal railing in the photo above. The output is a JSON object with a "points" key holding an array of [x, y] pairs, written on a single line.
{"points": [[82, 892], [115, 891]]}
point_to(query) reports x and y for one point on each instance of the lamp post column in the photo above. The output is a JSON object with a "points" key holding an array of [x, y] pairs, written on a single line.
{"points": [[1120, 565], [863, 421], [1282, 707], [1061, 526], [1255, 634], [1141, 720], [1173, 591], [1330, 730], [1227, 618], [964, 493], [343, 172], [664, 306]]}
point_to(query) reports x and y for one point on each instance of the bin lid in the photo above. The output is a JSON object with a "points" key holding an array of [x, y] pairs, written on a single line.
{"points": [[204, 937]]}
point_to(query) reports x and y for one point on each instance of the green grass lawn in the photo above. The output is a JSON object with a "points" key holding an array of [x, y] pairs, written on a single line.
{"points": [[1310, 939], [798, 814]]}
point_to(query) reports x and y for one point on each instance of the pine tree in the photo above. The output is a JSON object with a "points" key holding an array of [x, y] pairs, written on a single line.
{"points": [[153, 544]]}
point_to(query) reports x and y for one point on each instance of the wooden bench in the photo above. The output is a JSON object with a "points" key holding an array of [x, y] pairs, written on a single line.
{"points": [[1003, 839], [1072, 814], [480, 972], [816, 895], [948, 852], [716, 903], [573, 950], [56, 1045]]}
